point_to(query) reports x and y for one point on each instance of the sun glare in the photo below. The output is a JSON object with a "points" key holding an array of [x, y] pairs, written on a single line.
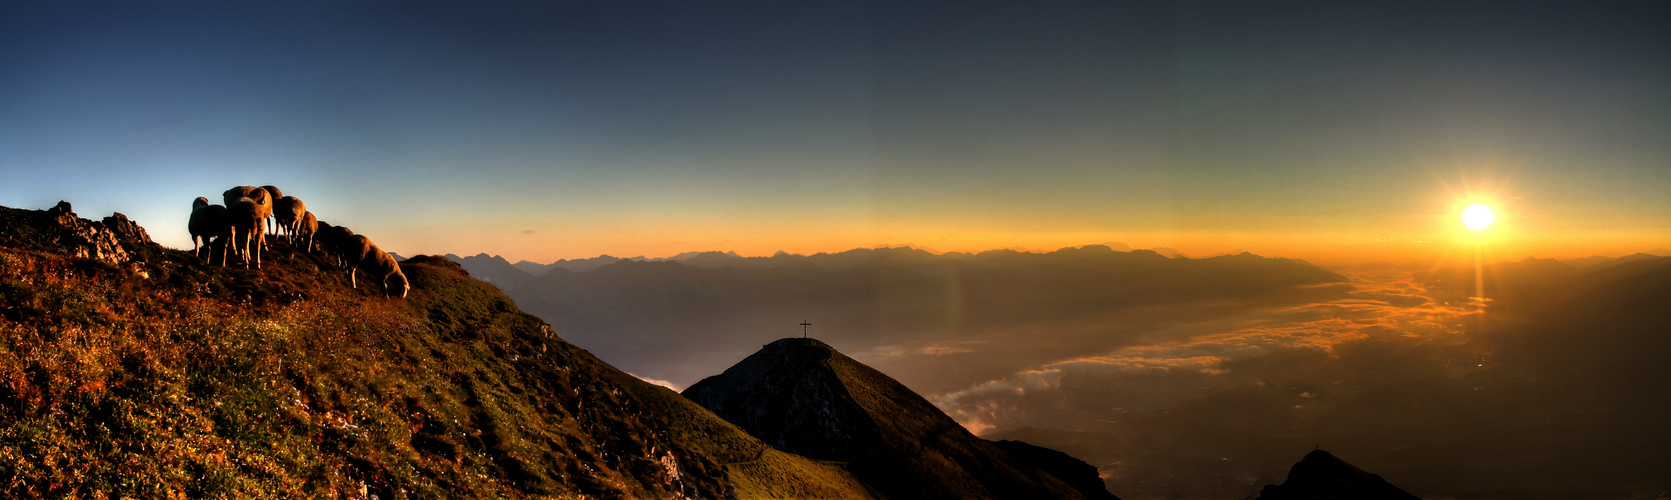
{"points": [[1478, 217]]}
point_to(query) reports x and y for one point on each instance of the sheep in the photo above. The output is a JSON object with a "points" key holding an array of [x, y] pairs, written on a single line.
{"points": [[209, 221], [305, 230], [379, 264], [231, 195], [333, 240], [261, 196], [352, 250], [246, 217], [273, 196], [364, 255], [288, 210]]}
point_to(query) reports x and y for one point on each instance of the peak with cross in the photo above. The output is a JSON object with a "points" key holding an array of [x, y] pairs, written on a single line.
{"points": [[803, 396]]}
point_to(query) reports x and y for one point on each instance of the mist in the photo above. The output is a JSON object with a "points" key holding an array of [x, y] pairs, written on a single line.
{"points": [[1187, 378]]}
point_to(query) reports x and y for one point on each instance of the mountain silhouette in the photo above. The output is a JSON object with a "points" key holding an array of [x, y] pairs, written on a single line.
{"points": [[1322, 476], [802, 396]]}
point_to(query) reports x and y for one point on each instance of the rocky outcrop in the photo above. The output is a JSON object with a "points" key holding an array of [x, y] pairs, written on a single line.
{"points": [[59, 230], [126, 229], [83, 238]]}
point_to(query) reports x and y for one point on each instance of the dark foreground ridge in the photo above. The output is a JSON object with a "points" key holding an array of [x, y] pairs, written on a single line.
{"points": [[132, 370], [804, 397], [1320, 475]]}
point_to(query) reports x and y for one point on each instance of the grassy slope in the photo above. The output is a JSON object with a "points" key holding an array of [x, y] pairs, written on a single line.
{"points": [[209, 382]]}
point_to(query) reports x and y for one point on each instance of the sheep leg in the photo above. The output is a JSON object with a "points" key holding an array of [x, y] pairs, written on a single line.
{"points": [[232, 247], [262, 242], [351, 281]]}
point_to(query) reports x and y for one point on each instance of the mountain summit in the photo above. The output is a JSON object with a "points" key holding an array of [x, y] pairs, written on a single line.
{"points": [[804, 397], [1321, 475]]}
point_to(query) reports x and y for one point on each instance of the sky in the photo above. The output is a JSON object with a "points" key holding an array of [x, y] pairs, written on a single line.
{"points": [[1334, 132]]}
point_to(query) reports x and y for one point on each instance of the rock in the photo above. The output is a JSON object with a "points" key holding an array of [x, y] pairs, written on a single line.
{"points": [[126, 229], [87, 239]]}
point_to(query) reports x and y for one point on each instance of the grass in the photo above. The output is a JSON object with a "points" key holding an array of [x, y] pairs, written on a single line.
{"points": [[211, 382]]}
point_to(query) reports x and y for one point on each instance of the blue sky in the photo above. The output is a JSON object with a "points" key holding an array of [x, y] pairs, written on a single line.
{"points": [[542, 131]]}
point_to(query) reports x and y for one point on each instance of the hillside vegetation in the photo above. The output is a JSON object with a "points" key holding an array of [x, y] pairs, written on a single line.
{"points": [[152, 375]]}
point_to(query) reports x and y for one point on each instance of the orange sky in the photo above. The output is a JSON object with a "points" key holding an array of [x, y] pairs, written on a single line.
{"points": [[1342, 136]]}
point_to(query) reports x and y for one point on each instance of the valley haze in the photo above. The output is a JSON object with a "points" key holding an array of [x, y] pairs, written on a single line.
{"points": [[1197, 378]]}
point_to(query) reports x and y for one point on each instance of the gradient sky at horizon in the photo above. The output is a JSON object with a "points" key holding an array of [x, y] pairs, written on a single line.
{"points": [[1319, 130]]}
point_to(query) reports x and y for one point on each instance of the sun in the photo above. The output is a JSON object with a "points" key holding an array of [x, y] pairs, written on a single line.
{"points": [[1478, 217]]}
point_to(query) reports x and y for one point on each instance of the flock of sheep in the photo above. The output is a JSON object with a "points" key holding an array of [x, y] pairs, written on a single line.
{"points": [[240, 229]]}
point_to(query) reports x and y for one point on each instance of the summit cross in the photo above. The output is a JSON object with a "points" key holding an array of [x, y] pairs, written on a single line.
{"points": [[804, 324]]}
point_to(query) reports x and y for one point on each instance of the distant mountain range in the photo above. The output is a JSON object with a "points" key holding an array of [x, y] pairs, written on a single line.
{"points": [[584, 265], [730, 258], [681, 319]]}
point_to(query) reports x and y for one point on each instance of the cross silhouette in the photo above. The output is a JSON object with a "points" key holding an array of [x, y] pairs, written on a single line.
{"points": [[804, 324]]}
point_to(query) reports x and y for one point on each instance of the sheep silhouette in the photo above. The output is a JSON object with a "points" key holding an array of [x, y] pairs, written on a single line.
{"points": [[377, 264], [305, 229], [247, 217], [273, 196], [333, 240], [260, 196], [238, 228], [210, 225], [288, 211]]}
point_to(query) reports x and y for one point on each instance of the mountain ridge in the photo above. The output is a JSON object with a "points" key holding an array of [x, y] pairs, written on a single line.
{"points": [[648, 315]]}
